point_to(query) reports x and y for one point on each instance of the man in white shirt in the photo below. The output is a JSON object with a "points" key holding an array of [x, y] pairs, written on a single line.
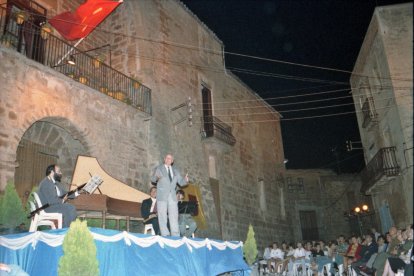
{"points": [[276, 258], [299, 257]]}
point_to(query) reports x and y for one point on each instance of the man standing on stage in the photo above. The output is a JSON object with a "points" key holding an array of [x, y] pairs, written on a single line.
{"points": [[167, 178], [52, 192]]}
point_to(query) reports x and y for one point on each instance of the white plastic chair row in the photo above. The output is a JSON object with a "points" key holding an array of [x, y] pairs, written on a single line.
{"points": [[41, 218]]}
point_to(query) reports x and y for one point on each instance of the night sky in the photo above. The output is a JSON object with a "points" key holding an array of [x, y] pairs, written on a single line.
{"points": [[325, 34]]}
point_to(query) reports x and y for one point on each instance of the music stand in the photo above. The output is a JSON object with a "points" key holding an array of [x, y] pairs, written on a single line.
{"points": [[93, 184]]}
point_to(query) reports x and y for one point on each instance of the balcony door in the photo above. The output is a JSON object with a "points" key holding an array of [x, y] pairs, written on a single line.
{"points": [[207, 111], [27, 35]]}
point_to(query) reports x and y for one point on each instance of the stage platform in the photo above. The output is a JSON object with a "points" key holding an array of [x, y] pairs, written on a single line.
{"points": [[124, 253]]}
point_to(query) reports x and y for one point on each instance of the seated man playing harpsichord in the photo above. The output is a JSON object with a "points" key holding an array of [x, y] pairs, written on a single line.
{"points": [[53, 193]]}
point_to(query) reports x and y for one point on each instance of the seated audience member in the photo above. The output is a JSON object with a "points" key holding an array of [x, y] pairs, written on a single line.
{"points": [[276, 258], [352, 254], [342, 245], [402, 255], [379, 262], [266, 256], [324, 247], [185, 218], [317, 252], [368, 249], [299, 257], [375, 234], [382, 245], [149, 210]]}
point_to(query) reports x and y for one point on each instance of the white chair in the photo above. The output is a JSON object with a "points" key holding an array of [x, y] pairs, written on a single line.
{"points": [[340, 269], [326, 268], [279, 269], [262, 266], [148, 227], [47, 216], [38, 221]]}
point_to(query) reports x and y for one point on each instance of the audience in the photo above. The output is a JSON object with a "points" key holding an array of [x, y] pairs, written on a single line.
{"points": [[370, 255]]}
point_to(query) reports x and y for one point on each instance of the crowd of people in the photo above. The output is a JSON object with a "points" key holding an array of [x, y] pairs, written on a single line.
{"points": [[370, 255]]}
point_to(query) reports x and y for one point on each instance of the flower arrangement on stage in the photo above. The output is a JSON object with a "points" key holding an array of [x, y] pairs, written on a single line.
{"points": [[79, 252]]}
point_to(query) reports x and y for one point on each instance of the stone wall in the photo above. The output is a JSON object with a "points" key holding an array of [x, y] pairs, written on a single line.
{"points": [[384, 71], [330, 196]]}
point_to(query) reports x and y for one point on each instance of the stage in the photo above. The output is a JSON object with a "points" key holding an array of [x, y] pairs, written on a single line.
{"points": [[124, 253]]}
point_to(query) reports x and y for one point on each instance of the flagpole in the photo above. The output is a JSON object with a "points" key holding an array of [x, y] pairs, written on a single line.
{"points": [[70, 51]]}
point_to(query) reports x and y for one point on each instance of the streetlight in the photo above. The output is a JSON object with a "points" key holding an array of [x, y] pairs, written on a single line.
{"points": [[357, 212]]}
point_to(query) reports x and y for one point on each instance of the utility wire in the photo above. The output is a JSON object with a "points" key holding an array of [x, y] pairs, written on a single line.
{"points": [[296, 118], [290, 103], [310, 94], [293, 110], [219, 52], [240, 70]]}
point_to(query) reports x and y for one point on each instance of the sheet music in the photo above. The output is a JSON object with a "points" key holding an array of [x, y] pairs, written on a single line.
{"points": [[93, 184]]}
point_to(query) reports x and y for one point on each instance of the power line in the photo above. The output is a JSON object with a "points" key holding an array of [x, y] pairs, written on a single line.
{"points": [[291, 103], [309, 94], [298, 118], [220, 52], [288, 77], [240, 70]]}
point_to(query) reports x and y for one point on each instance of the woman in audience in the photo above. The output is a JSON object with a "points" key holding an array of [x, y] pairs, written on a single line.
{"points": [[352, 254]]}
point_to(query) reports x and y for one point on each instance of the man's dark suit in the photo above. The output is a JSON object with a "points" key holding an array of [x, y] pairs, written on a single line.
{"points": [[48, 194], [145, 213]]}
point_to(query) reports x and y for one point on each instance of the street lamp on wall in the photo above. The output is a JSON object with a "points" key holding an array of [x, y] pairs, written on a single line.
{"points": [[358, 212]]}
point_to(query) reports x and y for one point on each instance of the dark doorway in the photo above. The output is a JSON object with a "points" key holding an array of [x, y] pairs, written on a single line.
{"points": [[32, 159], [309, 225]]}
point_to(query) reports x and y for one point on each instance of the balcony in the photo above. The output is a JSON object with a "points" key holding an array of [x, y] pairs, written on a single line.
{"points": [[38, 44], [369, 112], [215, 128], [381, 167]]}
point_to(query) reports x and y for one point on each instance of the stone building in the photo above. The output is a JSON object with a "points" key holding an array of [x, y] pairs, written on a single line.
{"points": [[322, 203], [382, 89], [126, 104]]}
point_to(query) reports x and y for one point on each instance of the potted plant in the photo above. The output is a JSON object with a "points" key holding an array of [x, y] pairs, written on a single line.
{"points": [[21, 16], [45, 30]]}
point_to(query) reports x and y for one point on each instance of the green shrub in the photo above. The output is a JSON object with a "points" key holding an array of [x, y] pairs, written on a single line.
{"points": [[79, 252], [250, 247], [12, 213]]}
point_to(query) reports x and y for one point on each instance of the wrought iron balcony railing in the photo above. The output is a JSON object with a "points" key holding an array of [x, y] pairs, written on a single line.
{"points": [[369, 112], [383, 164], [214, 127], [47, 49]]}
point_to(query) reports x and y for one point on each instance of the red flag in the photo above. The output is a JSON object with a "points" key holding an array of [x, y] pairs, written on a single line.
{"points": [[84, 20]]}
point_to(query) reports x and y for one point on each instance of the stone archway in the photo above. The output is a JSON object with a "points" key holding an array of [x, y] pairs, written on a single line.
{"points": [[47, 141]]}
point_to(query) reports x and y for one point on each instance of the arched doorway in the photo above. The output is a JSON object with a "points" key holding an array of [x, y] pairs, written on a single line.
{"points": [[48, 141]]}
